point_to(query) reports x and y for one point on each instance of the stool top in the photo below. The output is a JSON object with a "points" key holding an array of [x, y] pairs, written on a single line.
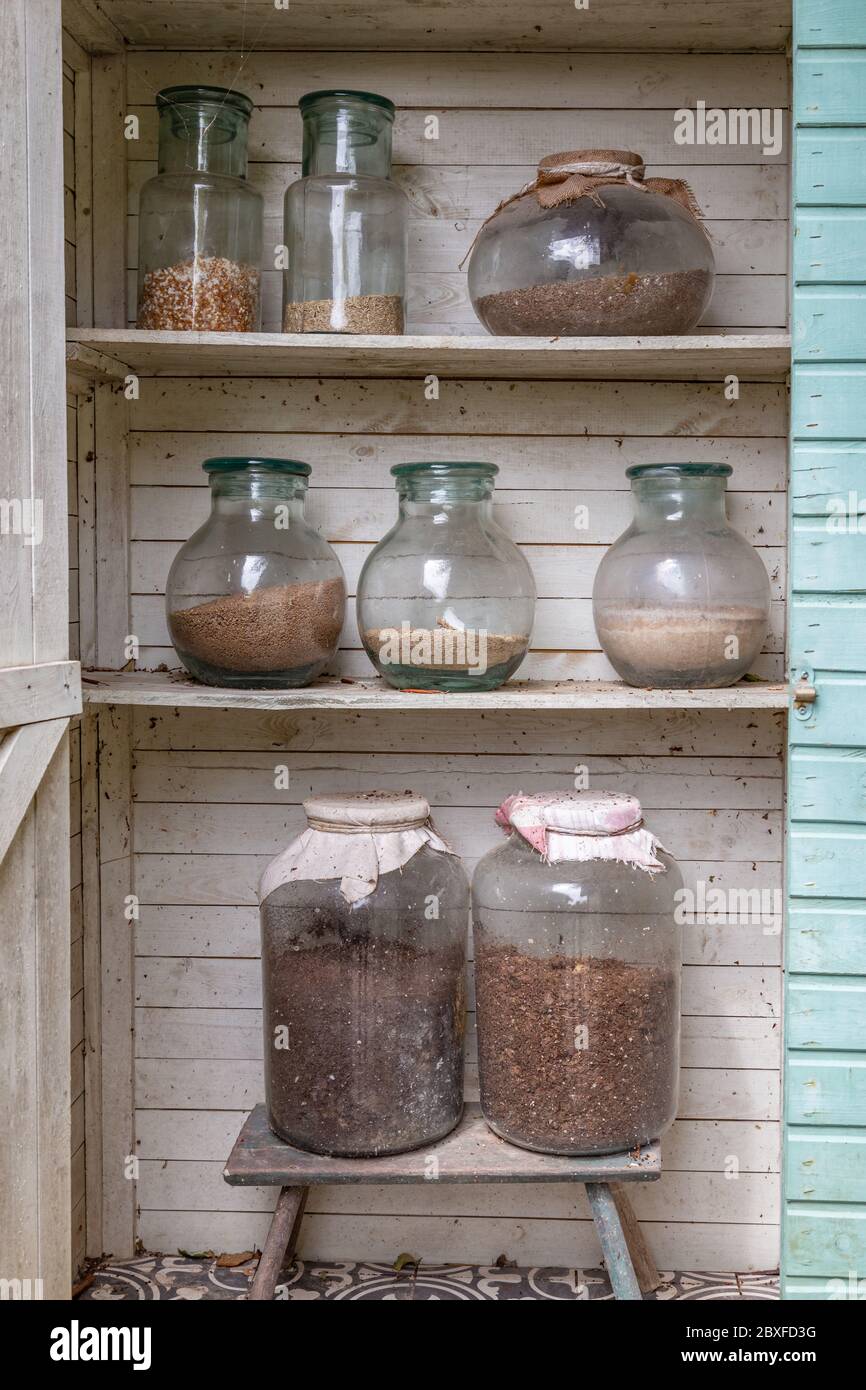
{"points": [[470, 1153]]}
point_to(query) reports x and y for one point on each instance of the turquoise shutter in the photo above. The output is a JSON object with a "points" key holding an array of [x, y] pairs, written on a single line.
{"points": [[824, 1208]]}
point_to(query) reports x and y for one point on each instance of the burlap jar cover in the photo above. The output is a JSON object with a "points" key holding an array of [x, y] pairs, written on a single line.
{"points": [[572, 174], [355, 838], [583, 826]]}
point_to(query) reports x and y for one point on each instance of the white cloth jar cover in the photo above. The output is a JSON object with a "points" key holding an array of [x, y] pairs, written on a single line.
{"points": [[583, 826], [355, 838]]}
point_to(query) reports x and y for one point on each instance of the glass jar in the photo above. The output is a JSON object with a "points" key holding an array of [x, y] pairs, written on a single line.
{"points": [[364, 922], [345, 221], [577, 969], [593, 249], [199, 222], [446, 600], [256, 598], [681, 598]]}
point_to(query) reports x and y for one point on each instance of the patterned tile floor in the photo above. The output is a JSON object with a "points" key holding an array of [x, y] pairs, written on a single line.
{"points": [[176, 1277]]}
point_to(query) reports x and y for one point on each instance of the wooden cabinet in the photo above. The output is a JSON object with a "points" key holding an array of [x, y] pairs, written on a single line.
{"points": [[177, 798]]}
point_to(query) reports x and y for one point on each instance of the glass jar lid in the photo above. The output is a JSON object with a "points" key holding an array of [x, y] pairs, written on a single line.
{"points": [[679, 470], [238, 465], [342, 94], [194, 95]]}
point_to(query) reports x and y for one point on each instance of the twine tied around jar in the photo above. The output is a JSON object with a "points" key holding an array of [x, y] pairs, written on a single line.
{"points": [[563, 178]]}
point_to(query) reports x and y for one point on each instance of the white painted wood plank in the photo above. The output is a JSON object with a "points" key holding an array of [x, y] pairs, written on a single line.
{"points": [[219, 829], [705, 1093], [569, 1245], [753, 1198], [689, 1146], [464, 407], [696, 357], [50, 690], [646, 733], [25, 754], [462, 191], [488, 24], [145, 688], [658, 782], [598, 462], [644, 81], [233, 932]]}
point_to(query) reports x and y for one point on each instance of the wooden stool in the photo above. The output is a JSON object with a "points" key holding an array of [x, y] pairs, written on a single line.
{"points": [[470, 1153]]}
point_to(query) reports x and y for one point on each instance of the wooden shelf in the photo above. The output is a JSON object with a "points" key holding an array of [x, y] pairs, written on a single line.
{"points": [[485, 25], [170, 689], [100, 353]]}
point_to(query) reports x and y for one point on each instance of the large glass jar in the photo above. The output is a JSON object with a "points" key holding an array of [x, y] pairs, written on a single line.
{"points": [[681, 598], [256, 597], [200, 223], [364, 921], [577, 968], [593, 249], [345, 221], [446, 600]]}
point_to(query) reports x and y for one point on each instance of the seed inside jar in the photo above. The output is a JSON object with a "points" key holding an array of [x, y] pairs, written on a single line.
{"points": [[208, 293], [357, 313]]}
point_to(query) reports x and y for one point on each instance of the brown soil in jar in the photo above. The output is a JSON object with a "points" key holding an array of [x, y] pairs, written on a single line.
{"points": [[501, 647], [374, 1062], [637, 305], [280, 628], [359, 313], [537, 1087], [210, 294], [662, 643]]}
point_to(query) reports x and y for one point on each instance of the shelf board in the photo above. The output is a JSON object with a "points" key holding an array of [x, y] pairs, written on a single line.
{"points": [[175, 690], [485, 25], [696, 357]]}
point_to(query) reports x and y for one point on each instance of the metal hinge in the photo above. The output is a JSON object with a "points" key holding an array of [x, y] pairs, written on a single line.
{"points": [[804, 692]]}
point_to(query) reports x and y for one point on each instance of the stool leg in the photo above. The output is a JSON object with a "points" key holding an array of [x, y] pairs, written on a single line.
{"points": [[613, 1243], [648, 1276], [283, 1230]]}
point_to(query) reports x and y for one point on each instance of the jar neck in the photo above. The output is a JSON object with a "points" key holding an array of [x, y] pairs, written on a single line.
{"points": [[347, 136], [203, 138], [258, 494], [662, 502], [467, 497]]}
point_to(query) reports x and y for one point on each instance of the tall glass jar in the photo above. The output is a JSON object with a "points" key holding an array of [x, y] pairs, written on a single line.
{"points": [[345, 221], [364, 921], [200, 223], [681, 598], [593, 248], [256, 597], [446, 600], [577, 969]]}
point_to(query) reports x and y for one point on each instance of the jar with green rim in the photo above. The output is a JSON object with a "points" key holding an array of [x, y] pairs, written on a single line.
{"points": [[345, 221], [446, 600], [200, 223], [681, 598], [256, 597]]}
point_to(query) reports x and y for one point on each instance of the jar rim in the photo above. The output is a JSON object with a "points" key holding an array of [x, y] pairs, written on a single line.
{"points": [[439, 468], [679, 470], [172, 97], [265, 465], [342, 93]]}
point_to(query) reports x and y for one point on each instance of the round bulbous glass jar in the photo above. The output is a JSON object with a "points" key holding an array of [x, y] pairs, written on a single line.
{"points": [[256, 597], [364, 921], [593, 253], [345, 221], [446, 600], [577, 969], [200, 223], [681, 598]]}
